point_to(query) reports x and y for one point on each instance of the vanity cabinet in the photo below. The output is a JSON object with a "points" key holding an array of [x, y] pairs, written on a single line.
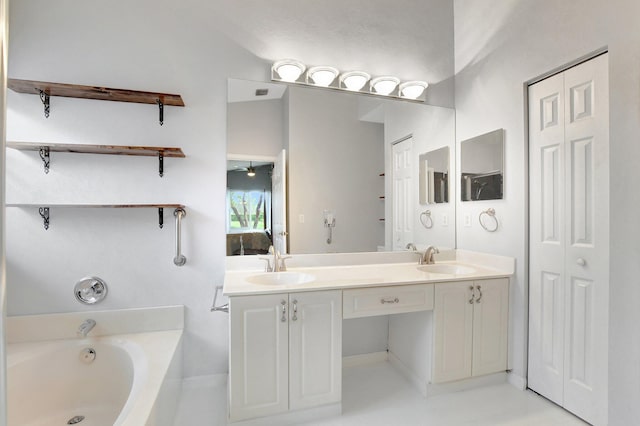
{"points": [[470, 329], [285, 352]]}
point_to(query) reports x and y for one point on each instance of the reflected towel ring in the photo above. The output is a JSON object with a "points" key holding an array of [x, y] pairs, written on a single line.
{"points": [[426, 219], [492, 214]]}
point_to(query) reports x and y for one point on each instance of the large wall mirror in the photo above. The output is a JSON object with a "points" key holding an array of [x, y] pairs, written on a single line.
{"points": [[340, 192], [482, 167]]}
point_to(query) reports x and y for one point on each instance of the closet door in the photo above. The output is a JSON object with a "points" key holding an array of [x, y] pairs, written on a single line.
{"points": [[587, 240], [569, 243], [546, 238]]}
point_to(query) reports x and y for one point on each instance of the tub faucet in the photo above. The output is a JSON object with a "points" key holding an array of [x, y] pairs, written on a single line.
{"points": [[427, 256], [86, 326], [411, 247]]}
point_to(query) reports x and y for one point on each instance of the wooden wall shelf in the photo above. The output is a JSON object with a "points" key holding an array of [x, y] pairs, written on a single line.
{"points": [[43, 208], [145, 151], [92, 92], [46, 89]]}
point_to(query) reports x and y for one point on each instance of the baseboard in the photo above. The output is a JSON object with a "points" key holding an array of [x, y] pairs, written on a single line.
{"points": [[364, 359], [466, 384], [293, 417], [517, 381], [421, 385]]}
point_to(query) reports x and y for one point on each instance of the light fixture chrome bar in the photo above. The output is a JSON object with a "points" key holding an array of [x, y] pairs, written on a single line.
{"points": [[294, 73]]}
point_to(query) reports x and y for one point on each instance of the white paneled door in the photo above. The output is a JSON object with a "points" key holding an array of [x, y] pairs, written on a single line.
{"points": [[402, 168], [569, 238]]}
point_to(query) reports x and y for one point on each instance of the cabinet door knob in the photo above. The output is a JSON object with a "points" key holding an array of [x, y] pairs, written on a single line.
{"points": [[479, 297], [295, 311], [581, 261], [473, 294], [283, 318]]}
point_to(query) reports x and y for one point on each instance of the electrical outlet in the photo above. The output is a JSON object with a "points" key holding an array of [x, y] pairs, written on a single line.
{"points": [[301, 218], [467, 220], [445, 219]]}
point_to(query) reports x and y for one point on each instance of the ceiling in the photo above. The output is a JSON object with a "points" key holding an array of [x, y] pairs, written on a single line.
{"points": [[411, 39]]}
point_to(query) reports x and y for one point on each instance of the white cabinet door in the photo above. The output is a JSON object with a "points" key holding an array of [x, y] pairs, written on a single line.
{"points": [[285, 352], [452, 329], [258, 356], [315, 348], [470, 329], [490, 326]]}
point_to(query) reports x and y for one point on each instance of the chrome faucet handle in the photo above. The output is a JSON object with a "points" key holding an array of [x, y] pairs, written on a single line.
{"points": [[283, 266], [267, 266]]}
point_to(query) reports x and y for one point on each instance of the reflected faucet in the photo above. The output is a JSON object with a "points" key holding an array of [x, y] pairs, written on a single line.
{"points": [[86, 326], [411, 247], [427, 256]]}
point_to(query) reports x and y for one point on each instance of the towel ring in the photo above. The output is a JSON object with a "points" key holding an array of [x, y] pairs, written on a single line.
{"points": [[426, 219], [492, 214]]}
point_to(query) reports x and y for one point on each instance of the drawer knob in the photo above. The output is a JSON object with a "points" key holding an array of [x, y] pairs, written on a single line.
{"points": [[395, 300]]}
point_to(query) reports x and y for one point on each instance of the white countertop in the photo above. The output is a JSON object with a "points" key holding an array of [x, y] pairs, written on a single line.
{"points": [[238, 281]]}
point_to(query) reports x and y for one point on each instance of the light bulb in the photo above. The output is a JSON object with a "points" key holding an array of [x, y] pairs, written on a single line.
{"points": [[354, 80], [412, 89], [322, 76], [384, 85], [289, 69]]}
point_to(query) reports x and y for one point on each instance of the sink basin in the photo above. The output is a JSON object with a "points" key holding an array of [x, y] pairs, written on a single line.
{"points": [[281, 278], [447, 268]]}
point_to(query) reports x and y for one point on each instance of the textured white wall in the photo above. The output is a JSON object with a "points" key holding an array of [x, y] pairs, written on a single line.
{"points": [[494, 57], [118, 45]]}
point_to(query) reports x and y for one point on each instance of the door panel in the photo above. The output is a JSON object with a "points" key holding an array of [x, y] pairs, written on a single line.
{"points": [[547, 238], [490, 319], [402, 196], [258, 357], [315, 362]]}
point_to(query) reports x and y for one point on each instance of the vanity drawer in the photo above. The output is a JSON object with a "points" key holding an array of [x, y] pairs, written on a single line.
{"points": [[374, 301]]}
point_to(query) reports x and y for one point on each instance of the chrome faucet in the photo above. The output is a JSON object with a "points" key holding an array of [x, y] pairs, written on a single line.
{"points": [[278, 264], [86, 326], [427, 256]]}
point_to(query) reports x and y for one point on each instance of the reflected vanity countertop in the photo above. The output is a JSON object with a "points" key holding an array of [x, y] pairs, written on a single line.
{"points": [[314, 272]]}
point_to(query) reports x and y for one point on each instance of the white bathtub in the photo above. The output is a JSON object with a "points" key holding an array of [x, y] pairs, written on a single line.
{"points": [[134, 380]]}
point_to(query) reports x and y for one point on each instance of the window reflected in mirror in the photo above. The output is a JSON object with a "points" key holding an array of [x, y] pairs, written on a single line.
{"points": [[248, 207]]}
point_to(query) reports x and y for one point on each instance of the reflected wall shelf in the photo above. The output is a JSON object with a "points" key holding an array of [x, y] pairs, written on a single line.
{"points": [[145, 151], [44, 208], [47, 89]]}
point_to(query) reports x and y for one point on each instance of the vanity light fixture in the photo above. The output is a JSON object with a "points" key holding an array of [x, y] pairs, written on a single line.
{"points": [[384, 85], [289, 70], [354, 80], [412, 89], [321, 76]]}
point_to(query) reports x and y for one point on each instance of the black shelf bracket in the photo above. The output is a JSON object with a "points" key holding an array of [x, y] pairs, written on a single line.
{"points": [[44, 155], [44, 213], [160, 111], [160, 163], [44, 97], [161, 217]]}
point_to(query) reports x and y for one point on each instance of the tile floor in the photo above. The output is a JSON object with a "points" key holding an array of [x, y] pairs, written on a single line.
{"points": [[376, 394]]}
